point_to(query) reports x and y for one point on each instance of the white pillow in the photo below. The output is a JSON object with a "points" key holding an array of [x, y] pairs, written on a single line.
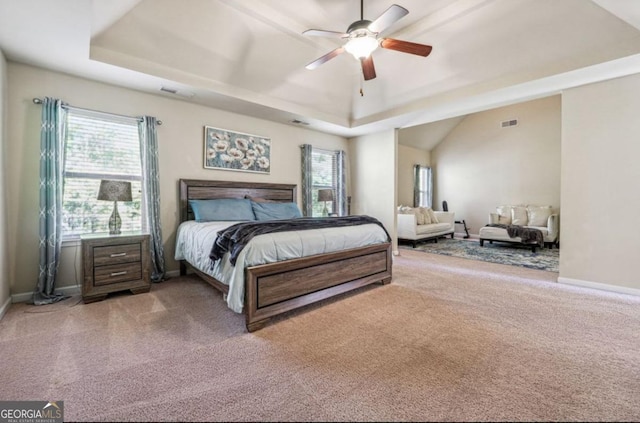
{"points": [[519, 215], [425, 213], [434, 218], [504, 215], [414, 211], [538, 215]]}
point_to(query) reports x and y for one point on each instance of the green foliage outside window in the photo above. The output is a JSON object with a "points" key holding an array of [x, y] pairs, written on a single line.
{"points": [[99, 148]]}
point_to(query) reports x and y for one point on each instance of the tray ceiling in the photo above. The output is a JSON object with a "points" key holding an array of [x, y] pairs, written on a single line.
{"points": [[249, 56]]}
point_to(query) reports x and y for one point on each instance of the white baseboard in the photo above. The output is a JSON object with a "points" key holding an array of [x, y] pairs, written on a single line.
{"points": [[600, 286], [28, 296], [5, 307], [21, 298], [70, 290]]}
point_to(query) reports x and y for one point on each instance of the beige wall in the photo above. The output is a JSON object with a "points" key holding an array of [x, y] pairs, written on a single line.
{"points": [[4, 267], [407, 158], [477, 167], [373, 178], [600, 188], [480, 165], [180, 151]]}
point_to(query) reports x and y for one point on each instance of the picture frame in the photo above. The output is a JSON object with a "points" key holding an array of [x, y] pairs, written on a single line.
{"points": [[230, 150]]}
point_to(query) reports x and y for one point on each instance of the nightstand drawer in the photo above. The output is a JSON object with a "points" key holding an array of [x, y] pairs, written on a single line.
{"points": [[106, 275], [115, 254]]}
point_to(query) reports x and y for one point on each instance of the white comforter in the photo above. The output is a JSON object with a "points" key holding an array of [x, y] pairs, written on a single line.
{"points": [[195, 239]]}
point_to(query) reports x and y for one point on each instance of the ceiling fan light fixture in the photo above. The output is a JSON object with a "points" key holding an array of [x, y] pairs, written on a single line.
{"points": [[362, 40], [362, 46]]}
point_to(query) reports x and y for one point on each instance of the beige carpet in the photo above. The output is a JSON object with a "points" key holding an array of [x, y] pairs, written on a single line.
{"points": [[448, 339]]}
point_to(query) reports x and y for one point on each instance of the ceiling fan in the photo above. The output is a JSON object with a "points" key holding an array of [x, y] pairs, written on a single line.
{"points": [[362, 40]]}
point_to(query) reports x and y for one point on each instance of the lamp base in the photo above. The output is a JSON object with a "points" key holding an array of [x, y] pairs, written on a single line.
{"points": [[115, 223], [325, 211]]}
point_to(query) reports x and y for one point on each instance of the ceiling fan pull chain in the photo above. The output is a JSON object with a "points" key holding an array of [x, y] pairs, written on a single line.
{"points": [[361, 10]]}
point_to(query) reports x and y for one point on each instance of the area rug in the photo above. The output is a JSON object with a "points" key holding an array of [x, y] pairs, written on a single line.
{"points": [[503, 253]]}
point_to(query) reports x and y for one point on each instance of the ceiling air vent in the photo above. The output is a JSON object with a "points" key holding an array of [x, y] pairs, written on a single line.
{"points": [[186, 94], [299, 122], [508, 123]]}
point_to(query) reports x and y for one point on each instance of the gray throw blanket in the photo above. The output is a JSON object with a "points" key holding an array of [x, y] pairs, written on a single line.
{"points": [[528, 235], [235, 237]]}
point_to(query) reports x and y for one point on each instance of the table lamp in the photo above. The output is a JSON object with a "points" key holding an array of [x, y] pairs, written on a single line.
{"points": [[325, 195], [114, 191]]}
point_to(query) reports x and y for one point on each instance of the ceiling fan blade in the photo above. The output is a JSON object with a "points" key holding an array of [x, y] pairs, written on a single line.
{"points": [[368, 69], [323, 33], [406, 46], [325, 58], [384, 21]]}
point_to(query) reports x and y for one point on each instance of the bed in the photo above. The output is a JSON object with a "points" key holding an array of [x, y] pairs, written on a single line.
{"points": [[274, 288]]}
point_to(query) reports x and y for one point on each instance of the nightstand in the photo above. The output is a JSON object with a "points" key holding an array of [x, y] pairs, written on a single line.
{"points": [[114, 263]]}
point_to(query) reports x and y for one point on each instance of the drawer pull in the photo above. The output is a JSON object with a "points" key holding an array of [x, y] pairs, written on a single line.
{"points": [[118, 255], [118, 273]]}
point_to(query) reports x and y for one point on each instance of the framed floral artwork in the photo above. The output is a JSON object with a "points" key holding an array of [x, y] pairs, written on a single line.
{"points": [[228, 150]]}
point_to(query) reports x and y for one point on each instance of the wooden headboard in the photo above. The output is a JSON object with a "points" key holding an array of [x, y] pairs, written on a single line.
{"points": [[197, 189]]}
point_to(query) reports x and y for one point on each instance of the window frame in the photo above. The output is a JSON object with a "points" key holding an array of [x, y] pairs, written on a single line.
{"points": [[424, 186], [74, 238], [335, 174]]}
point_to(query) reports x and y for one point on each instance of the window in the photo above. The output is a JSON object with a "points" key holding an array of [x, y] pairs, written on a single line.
{"points": [[423, 194], [99, 146], [325, 175]]}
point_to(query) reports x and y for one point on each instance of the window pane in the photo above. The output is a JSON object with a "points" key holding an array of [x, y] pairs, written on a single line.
{"points": [[424, 187], [84, 214], [324, 176], [318, 206], [98, 148], [323, 165]]}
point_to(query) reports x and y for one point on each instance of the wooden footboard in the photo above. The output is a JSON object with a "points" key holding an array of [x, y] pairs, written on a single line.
{"points": [[275, 288]]}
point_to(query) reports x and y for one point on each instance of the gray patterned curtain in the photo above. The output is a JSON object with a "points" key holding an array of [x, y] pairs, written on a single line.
{"points": [[416, 186], [342, 183], [51, 189], [151, 193], [307, 180]]}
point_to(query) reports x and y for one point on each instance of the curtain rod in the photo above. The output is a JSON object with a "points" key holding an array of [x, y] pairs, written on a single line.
{"points": [[36, 100]]}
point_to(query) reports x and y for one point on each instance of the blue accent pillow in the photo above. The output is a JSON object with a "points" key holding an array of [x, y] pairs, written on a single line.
{"points": [[224, 209], [274, 211]]}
